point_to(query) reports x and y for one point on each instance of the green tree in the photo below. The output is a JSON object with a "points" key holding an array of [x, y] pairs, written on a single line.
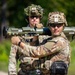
{"points": [[16, 10]]}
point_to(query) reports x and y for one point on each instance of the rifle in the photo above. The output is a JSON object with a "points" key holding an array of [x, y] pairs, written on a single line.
{"points": [[69, 32], [26, 34], [27, 31]]}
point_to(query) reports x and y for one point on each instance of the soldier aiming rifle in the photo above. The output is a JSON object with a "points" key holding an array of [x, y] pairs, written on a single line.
{"points": [[53, 51]]}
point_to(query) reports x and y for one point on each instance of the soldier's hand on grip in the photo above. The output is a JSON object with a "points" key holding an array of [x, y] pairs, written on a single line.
{"points": [[15, 40], [39, 25]]}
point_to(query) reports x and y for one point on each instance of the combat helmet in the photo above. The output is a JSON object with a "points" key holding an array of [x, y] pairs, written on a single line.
{"points": [[56, 17], [34, 10]]}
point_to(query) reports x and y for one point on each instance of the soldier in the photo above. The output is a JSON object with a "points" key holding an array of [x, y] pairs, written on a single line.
{"points": [[54, 50], [33, 15]]}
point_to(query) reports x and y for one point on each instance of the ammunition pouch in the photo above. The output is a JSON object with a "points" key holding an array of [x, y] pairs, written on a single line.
{"points": [[25, 67], [31, 72], [59, 68], [28, 69]]}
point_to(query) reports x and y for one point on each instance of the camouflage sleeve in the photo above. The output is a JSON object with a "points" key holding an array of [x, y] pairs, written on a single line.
{"points": [[12, 61], [43, 50], [41, 38]]}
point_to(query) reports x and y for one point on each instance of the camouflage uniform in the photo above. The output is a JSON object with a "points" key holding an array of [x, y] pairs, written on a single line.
{"points": [[51, 49], [16, 55], [32, 10]]}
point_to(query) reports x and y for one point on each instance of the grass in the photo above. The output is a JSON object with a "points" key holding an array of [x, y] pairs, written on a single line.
{"points": [[72, 64], [3, 66], [72, 69]]}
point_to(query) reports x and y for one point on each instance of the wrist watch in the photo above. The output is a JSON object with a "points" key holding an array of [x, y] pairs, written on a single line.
{"points": [[19, 43]]}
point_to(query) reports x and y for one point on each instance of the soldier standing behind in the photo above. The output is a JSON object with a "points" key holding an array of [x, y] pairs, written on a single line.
{"points": [[33, 15], [55, 48]]}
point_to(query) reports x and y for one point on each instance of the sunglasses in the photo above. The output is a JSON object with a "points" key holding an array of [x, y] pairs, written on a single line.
{"points": [[56, 25], [34, 17]]}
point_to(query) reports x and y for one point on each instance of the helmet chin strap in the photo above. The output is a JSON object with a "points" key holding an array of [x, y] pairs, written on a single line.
{"points": [[35, 27]]}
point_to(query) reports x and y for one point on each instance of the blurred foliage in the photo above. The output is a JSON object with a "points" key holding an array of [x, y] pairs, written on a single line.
{"points": [[72, 63], [15, 10], [4, 54], [4, 50], [73, 50]]}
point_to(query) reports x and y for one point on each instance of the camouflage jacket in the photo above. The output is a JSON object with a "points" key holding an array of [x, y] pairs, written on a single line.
{"points": [[56, 48], [53, 48], [15, 55]]}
